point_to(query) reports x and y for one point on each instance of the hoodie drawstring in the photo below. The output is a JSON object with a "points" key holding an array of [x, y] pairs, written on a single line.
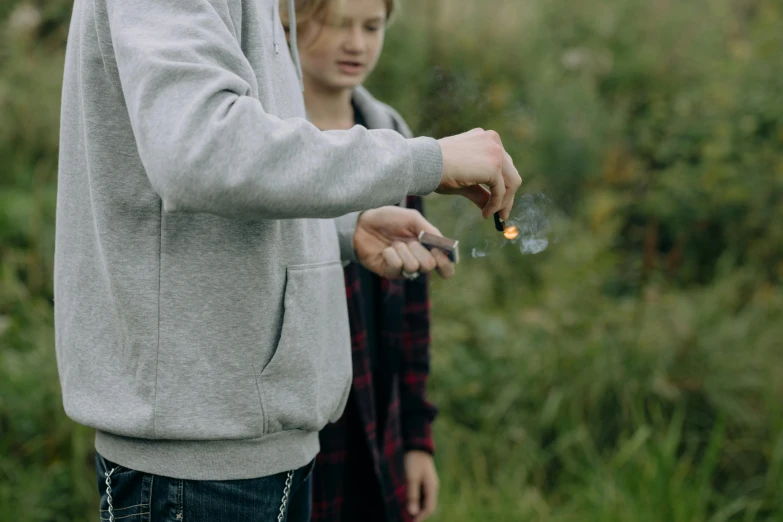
{"points": [[295, 42], [275, 24], [291, 36]]}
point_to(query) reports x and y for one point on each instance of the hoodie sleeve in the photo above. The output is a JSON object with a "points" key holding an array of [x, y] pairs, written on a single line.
{"points": [[208, 145], [346, 225], [346, 228]]}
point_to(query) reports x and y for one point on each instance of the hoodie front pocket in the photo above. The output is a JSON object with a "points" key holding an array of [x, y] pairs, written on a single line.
{"points": [[306, 383]]}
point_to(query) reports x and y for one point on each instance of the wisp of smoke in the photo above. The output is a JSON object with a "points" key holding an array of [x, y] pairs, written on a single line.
{"points": [[532, 217]]}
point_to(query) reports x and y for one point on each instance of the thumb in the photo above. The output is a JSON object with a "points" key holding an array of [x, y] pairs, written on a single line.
{"points": [[419, 223]]}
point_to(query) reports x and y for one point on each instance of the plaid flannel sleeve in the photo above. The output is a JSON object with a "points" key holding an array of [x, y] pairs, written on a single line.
{"points": [[416, 411]]}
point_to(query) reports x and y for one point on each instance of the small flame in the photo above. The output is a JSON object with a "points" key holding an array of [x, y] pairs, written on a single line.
{"points": [[511, 233]]}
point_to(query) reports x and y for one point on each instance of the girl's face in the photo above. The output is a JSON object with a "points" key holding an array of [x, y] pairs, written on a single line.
{"points": [[339, 50]]}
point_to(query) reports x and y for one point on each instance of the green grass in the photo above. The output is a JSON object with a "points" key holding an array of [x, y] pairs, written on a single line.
{"points": [[566, 405], [632, 372]]}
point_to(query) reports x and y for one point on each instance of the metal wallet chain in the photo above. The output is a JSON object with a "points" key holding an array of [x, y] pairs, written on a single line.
{"points": [[286, 492], [283, 504], [108, 493]]}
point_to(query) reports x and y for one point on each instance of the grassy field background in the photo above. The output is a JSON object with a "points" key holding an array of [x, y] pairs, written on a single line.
{"points": [[631, 372]]}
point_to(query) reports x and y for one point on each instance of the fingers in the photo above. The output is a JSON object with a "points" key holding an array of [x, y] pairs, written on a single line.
{"points": [[426, 259], [414, 494], [418, 259], [497, 189], [512, 181], [402, 256], [497, 184], [445, 266], [504, 185], [409, 262], [393, 263], [494, 136], [430, 491], [477, 159]]}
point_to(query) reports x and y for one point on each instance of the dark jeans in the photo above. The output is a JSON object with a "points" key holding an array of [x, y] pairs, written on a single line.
{"points": [[141, 497]]}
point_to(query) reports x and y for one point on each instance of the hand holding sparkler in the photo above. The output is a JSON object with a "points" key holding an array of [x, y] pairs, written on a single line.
{"points": [[474, 159]]}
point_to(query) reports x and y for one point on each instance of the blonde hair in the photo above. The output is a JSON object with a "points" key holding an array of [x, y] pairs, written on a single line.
{"points": [[307, 10]]}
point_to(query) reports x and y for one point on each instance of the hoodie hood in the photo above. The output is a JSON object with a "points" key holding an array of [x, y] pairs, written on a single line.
{"points": [[293, 42]]}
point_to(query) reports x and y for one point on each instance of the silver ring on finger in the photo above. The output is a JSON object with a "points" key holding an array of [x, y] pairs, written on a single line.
{"points": [[410, 276]]}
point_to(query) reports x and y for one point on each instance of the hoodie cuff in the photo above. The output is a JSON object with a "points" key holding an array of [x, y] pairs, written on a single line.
{"points": [[346, 228], [427, 166]]}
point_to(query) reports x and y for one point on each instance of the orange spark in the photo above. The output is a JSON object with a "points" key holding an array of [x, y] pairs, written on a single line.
{"points": [[511, 233]]}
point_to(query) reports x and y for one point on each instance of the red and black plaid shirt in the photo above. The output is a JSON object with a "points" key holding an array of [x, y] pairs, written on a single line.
{"points": [[355, 464]]}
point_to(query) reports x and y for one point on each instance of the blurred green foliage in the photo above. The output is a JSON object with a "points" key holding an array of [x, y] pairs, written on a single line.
{"points": [[632, 372]]}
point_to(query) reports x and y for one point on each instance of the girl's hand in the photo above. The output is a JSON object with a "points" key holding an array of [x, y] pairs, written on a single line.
{"points": [[423, 484]]}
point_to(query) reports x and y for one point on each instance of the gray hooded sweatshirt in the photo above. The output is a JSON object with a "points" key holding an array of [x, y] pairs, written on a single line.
{"points": [[201, 323]]}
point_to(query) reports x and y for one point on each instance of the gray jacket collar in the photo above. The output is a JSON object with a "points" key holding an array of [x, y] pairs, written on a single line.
{"points": [[373, 111]]}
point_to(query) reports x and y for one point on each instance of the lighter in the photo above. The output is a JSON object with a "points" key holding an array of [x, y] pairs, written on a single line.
{"points": [[449, 246]]}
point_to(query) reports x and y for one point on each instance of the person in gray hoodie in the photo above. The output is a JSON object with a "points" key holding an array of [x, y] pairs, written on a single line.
{"points": [[200, 316]]}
